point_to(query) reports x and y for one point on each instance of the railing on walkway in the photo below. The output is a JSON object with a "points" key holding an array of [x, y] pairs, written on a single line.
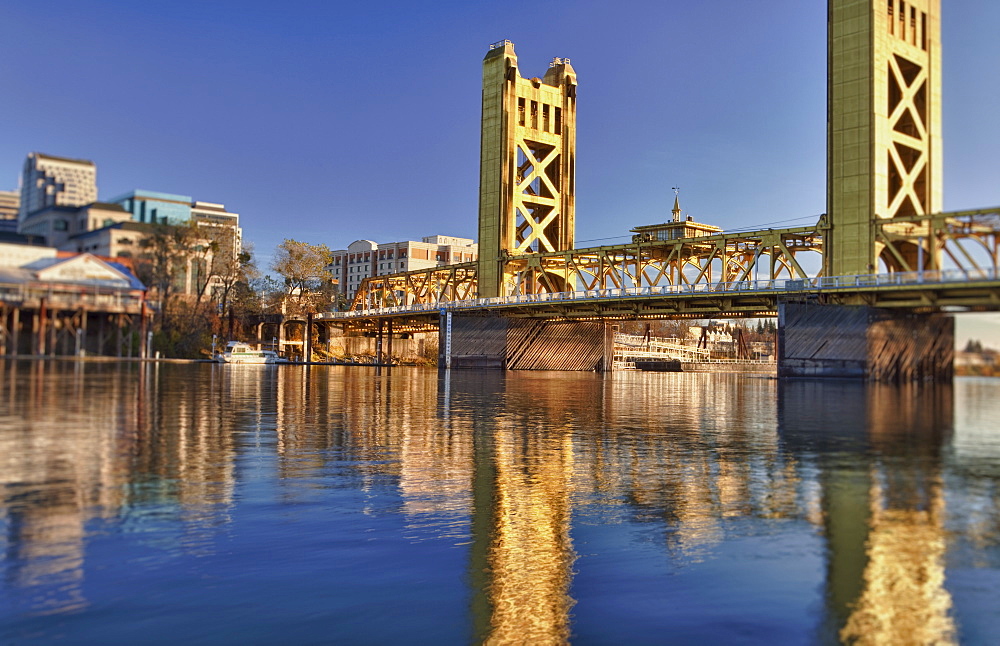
{"points": [[640, 347], [939, 277], [94, 298]]}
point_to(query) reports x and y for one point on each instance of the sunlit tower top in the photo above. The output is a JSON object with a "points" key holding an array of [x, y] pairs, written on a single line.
{"points": [[527, 160], [884, 127]]}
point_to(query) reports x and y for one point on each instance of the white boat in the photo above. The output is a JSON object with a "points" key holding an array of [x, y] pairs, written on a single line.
{"points": [[239, 352]]}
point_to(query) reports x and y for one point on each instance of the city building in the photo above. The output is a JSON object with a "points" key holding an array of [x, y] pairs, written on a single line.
{"points": [[365, 258], [58, 224], [167, 208], [117, 240], [156, 208], [56, 181], [220, 225], [10, 203]]}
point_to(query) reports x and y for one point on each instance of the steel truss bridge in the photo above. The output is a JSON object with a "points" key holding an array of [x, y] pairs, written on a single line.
{"points": [[928, 263]]}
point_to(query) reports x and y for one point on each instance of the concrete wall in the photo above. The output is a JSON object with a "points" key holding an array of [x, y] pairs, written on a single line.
{"points": [[526, 344]]}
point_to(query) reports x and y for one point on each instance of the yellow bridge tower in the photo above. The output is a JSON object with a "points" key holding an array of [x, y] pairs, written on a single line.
{"points": [[527, 160], [884, 132]]}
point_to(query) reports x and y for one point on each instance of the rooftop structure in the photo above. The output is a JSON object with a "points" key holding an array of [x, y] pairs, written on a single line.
{"points": [[675, 229]]}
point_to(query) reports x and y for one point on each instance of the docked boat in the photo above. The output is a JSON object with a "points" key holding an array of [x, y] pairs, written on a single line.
{"points": [[239, 352]]}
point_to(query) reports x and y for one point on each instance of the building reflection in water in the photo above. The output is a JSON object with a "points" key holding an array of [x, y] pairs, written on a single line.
{"points": [[500, 463], [84, 443]]}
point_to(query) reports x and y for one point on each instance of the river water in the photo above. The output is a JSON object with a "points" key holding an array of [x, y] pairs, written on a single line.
{"points": [[199, 503]]}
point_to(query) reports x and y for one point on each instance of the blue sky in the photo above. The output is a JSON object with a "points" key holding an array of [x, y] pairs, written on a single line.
{"points": [[329, 121]]}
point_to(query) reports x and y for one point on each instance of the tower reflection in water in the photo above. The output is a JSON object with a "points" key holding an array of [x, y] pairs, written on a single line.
{"points": [[504, 465], [881, 478]]}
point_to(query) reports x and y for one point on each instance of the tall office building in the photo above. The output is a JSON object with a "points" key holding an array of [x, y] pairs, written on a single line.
{"points": [[10, 201], [56, 181], [156, 208]]}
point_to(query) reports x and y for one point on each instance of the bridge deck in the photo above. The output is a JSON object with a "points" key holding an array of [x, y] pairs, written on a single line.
{"points": [[928, 291]]}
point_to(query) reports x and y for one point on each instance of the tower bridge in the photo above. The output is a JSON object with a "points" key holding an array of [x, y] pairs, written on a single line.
{"points": [[863, 292]]}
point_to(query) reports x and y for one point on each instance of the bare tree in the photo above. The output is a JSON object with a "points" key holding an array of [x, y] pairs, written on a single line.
{"points": [[163, 261], [306, 271]]}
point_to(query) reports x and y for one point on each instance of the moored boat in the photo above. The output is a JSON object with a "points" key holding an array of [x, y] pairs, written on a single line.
{"points": [[239, 352]]}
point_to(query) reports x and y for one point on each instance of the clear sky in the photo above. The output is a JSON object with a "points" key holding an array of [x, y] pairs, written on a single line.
{"points": [[333, 121]]}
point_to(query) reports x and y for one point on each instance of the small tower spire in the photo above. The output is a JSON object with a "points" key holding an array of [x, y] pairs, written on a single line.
{"points": [[677, 204]]}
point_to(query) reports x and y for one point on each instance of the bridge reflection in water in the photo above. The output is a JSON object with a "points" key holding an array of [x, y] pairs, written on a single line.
{"points": [[564, 491]]}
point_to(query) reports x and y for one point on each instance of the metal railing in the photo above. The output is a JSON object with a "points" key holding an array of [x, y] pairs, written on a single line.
{"points": [[947, 276], [90, 297]]}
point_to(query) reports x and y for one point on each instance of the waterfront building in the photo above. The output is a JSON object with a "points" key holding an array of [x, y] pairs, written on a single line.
{"points": [[10, 202], [365, 258], [15, 254], [50, 299], [56, 181]]}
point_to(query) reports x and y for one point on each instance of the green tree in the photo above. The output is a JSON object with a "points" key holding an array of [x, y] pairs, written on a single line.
{"points": [[305, 269]]}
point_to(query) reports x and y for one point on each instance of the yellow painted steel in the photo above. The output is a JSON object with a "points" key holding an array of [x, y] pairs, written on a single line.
{"points": [[884, 127], [884, 189], [528, 151]]}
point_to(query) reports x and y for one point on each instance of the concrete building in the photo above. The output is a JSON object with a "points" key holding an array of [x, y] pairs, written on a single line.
{"points": [[125, 240], [58, 224], [10, 203], [117, 240], [167, 208], [56, 181], [365, 258], [220, 225]]}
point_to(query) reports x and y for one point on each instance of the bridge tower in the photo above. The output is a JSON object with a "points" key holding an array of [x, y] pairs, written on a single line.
{"points": [[527, 160], [883, 128]]}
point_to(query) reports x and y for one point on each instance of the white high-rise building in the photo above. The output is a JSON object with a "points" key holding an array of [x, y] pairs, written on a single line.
{"points": [[56, 181]]}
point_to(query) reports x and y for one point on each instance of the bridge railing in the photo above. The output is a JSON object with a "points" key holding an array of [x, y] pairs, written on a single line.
{"points": [[814, 284]]}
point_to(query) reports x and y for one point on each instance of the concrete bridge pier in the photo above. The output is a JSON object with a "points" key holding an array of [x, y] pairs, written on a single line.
{"points": [[468, 341], [861, 342]]}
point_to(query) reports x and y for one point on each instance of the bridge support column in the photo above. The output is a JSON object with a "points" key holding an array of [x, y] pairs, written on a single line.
{"points": [[860, 342], [307, 339], [388, 342], [15, 331], [524, 344]]}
